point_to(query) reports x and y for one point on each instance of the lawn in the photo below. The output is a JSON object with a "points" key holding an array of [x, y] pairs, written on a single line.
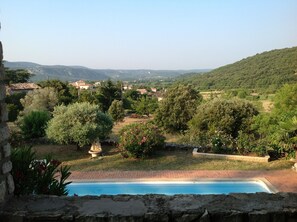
{"points": [[162, 160]]}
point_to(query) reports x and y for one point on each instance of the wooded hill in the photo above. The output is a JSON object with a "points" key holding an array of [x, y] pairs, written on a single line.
{"points": [[268, 70], [73, 73]]}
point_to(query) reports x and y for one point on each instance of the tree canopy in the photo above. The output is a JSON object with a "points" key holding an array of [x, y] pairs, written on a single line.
{"points": [[79, 123], [266, 70], [177, 108], [16, 76], [44, 99], [65, 95]]}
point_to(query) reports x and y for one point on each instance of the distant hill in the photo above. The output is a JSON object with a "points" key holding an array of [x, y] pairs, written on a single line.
{"points": [[73, 73], [266, 70], [67, 73]]}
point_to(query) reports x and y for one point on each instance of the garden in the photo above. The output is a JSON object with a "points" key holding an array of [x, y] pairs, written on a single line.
{"points": [[61, 127]]}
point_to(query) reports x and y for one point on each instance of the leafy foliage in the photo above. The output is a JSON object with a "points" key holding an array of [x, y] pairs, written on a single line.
{"points": [[278, 130], [33, 176], [140, 139], [220, 122], [145, 105], [79, 123], [177, 108], [64, 93], [17, 76], [14, 105], [266, 70], [44, 99], [34, 123], [116, 111], [108, 92]]}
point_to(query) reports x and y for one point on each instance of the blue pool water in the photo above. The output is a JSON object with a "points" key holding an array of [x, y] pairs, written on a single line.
{"points": [[167, 188]]}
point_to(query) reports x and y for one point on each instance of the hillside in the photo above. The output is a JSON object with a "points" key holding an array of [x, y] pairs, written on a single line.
{"points": [[73, 73], [266, 70], [67, 73]]}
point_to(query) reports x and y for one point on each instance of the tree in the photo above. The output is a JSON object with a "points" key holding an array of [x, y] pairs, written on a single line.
{"points": [[224, 124], [225, 117], [14, 105], [63, 89], [285, 99], [34, 123], [116, 111], [17, 76], [79, 123], [44, 99], [130, 97], [177, 108], [108, 92], [278, 129], [145, 105]]}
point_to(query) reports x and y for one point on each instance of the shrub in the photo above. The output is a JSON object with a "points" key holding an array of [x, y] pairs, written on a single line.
{"points": [[79, 123], [33, 124], [37, 177], [140, 139], [116, 111]]}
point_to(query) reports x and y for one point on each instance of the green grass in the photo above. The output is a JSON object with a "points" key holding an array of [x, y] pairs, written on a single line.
{"points": [[162, 160]]}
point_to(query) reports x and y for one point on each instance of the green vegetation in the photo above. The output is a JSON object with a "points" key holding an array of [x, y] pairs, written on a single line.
{"points": [[177, 108], [160, 160], [14, 105], [116, 111], [220, 122], [16, 76], [66, 93], [37, 177], [145, 105], [44, 99], [140, 140], [278, 130], [79, 123], [268, 70], [33, 124]]}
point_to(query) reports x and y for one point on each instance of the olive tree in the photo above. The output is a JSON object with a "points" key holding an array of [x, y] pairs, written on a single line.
{"points": [[79, 123], [44, 99]]}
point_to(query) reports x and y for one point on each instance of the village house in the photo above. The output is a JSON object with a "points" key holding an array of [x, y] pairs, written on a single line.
{"points": [[81, 84], [142, 91], [21, 87]]}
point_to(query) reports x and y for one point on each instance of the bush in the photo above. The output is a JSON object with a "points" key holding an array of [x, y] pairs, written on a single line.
{"points": [[116, 111], [140, 140], [79, 123], [33, 124], [37, 177]]}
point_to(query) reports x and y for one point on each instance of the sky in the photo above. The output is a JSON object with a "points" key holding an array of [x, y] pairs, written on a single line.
{"points": [[144, 34]]}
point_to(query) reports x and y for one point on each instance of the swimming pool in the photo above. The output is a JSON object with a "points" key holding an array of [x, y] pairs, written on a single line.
{"points": [[167, 188]]}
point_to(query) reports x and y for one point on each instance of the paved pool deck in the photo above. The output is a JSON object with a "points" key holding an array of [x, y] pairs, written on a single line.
{"points": [[282, 180]]}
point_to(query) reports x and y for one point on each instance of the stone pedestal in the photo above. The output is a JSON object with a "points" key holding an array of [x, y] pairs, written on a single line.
{"points": [[96, 149]]}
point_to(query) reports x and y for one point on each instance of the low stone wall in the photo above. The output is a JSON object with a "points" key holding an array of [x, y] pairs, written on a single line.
{"points": [[262, 207], [231, 157]]}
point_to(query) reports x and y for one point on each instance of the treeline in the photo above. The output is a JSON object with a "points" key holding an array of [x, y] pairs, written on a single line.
{"points": [[269, 70]]}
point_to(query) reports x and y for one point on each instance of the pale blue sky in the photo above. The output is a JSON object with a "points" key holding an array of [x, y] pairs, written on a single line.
{"points": [[152, 34]]}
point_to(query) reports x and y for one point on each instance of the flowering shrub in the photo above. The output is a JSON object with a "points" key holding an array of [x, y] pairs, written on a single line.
{"points": [[33, 176], [140, 139]]}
